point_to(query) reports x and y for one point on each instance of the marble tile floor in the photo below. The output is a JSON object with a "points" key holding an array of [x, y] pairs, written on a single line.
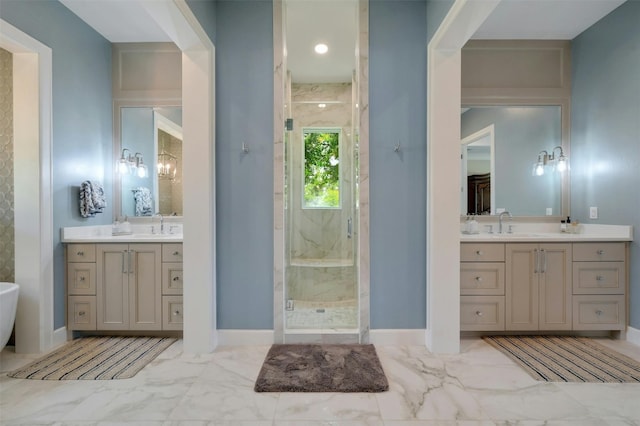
{"points": [[478, 387]]}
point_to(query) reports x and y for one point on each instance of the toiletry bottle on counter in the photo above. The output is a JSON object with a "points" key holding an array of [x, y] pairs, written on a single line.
{"points": [[563, 226], [473, 225]]}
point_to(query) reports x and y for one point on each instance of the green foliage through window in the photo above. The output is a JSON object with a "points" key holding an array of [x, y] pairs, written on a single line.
{"points": [[321, 169]]}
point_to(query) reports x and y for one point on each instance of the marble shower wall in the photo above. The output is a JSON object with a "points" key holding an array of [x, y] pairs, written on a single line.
{"points": [[7, 241]]}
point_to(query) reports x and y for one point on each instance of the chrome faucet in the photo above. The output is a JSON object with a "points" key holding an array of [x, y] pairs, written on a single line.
{"points": [[500, 220], [161, 222]]}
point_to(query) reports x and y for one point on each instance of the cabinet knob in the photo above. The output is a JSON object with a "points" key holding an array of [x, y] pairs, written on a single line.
{"points": [[479, 252], [600, 251], [176, 253], [81, 313], [80, 253], [176, 278], [599, 278], [81, 278], [598, 312], [176, 313], [479, 313], [479, 279]]}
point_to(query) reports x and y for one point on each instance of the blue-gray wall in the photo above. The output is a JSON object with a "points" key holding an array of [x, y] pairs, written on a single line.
{"points": [[397, 114], [244, 182], [605, 128], [82, 126], [205, 11]]}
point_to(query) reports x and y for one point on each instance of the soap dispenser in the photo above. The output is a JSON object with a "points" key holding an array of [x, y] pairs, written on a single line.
{"points": [[125, 227], [473, 225]]}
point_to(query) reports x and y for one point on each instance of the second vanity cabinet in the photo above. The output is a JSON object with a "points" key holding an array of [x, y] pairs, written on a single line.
{"points": [[124, 286], [551, 286]]}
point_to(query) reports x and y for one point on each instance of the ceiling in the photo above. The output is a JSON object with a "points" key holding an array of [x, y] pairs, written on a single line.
{"points": [[333, 22]]}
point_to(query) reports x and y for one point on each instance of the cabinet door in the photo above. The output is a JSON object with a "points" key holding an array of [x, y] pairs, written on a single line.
{"points": [[112, 284], [521, 279], [555, 272], [145, 287]]}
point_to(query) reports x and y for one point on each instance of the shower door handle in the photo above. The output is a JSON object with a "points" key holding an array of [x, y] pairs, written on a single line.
{"points": [[349, 227]]}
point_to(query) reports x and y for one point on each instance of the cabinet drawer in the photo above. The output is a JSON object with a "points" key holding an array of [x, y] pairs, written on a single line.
{"points": [[172, 278], [597, 252], [481, 279], [81, 313], [172, 252], [81, 279], [481, 313], [606, 312], [172, 312], [81, 253], [599, 278], [481, 252]]}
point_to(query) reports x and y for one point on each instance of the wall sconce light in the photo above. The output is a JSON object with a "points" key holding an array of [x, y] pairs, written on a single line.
{"points": [[132, 164], [167, 165], [545, 159]]}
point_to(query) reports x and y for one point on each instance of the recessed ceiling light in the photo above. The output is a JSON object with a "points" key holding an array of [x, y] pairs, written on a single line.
{"points": [[321, 48]]}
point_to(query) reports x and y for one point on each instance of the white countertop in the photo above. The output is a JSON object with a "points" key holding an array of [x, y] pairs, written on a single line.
{"points": [[549, 232], [102, 234]]}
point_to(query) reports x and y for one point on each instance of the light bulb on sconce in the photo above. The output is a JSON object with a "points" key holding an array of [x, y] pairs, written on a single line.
{"points": [[123, 163], [141, 168]]}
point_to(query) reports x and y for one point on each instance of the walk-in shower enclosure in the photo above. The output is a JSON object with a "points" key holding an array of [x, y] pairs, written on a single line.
{"points": [[319, 284]]}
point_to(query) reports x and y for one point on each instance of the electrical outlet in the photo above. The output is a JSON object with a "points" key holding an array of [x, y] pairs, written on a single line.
{"points": [[549, 211], [593, 212]]}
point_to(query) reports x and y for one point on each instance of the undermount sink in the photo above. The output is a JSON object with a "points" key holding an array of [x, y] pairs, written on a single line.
{"points": [[148, 236]]}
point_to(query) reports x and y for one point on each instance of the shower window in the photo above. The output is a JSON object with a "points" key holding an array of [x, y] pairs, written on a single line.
{"points": [[321, 168]]}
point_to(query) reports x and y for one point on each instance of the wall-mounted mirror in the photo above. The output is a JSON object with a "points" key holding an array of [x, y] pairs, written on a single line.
{"points": [[499, 145], [155, 133]]}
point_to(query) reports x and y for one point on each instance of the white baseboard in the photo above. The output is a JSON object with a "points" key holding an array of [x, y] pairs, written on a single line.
{"points": [[408, 337], [245, 337], [633, 335], [59, 337]]}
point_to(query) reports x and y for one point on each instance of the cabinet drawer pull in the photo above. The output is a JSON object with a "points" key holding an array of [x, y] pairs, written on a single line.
{"points": [[599, 278], [176, 278], [479, 279], [81, 313], [176, 253], [601, 252], [479, 252], [479, 313], [598, 312], [80, 253], [81, 278], [176, 313]]}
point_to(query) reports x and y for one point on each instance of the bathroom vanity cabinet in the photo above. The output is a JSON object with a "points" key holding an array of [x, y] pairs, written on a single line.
{"points": [[537, 286], [124, 286]]}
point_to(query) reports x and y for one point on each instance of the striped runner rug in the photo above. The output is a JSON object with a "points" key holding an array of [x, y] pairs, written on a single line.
{"points": [[567, 359], [96, 358]]}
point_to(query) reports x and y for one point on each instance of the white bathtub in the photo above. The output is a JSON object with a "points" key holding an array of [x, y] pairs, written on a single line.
{"points": [[8, 304]]}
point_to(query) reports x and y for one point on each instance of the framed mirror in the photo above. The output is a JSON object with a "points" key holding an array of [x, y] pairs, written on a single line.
{"points": [[499, 146], [149, 135]]}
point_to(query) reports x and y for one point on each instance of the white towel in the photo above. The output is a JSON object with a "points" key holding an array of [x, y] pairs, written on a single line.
{"points": [[92, 199], [142, 197]]}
